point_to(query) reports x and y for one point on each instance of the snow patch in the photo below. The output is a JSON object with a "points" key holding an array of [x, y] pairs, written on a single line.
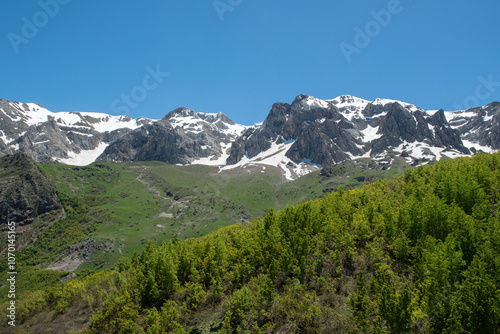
{"points": [[453, 115], [4, 138], [370, 134], [85, 157], [469, 144], [312, 102], [212, 160], [276, 156], [350, 106]]}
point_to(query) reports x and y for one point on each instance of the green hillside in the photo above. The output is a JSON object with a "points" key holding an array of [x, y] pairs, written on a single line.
{"points": [[414, 254], [111, 210], [121, 206]]}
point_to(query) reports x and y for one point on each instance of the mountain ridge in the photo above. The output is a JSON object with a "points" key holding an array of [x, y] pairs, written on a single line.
{"points": [[308, 134]]}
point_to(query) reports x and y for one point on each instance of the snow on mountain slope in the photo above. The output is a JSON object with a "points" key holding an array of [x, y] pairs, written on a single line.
{"points": [[195, 123], [479, 127], [460, 117], [213, 160], [85, 157], [224, 124], [276, 156], [350, 106], [330, 131], [297, 138], [313, 102], [32, 114], [190, 124], [103, 122], [71, 137]]}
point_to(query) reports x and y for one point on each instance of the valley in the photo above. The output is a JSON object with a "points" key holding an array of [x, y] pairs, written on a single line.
{"points": [[117, 208], [92, 192], [408, 253]]}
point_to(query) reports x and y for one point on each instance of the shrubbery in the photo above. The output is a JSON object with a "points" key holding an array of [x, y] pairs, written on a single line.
{"points": [[415, 254]]}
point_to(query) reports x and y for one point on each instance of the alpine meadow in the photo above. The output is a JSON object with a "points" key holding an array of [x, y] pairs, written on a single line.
{"points": [[417, 253]]}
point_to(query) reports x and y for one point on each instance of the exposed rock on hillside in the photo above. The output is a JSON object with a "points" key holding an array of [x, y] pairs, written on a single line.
{"points": [[24, 191]]}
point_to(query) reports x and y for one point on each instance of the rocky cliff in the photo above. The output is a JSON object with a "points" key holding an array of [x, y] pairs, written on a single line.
{"points": [[25, 192]]}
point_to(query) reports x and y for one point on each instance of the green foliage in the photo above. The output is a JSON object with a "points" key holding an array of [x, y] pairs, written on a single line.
{"points": [[415, 254], [120, 202]]}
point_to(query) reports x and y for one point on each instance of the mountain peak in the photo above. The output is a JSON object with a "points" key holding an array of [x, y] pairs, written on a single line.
{"points": [[181, 112], [216, 118], [301, 97], [348, 99], [310, 102], [296, 137]]}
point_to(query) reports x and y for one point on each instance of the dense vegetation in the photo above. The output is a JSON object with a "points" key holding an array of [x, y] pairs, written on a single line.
{"points": [[111, 210], [414, 254]]}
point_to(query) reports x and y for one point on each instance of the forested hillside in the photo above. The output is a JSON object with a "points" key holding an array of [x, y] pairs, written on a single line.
{"points": [[416, 254]]}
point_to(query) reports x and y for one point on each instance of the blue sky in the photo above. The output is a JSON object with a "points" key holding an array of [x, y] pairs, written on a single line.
{"points": [[240, 56]]}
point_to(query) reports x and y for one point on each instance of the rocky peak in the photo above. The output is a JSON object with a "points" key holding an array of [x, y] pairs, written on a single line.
{"points": [[215, 118], [307, 108], [399, 122], [374, 109], [306, 102], [438, 119], [277, 117], [301, 97], [345, 99], [181, 112], [397, 126], [493, 109]]}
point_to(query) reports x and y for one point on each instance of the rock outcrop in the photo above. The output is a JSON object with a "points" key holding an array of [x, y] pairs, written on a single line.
{"points": [[25, 192]]}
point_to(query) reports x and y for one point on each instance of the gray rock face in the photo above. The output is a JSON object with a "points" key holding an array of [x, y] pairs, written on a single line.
{"points": [[480, 125], [181, 137], [259, 138], [311, 130], [320, 133], [401, 125], [444, 135], [48, 141], [154, 142], [328, 132], [220, 120], [138, 145], [397, 126], [47, 136], [24, 191]]}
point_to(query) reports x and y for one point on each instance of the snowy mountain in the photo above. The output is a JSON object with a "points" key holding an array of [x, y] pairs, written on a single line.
{"points": [[312, 133], [181, 137], [300, 137], [76, 138], [80, 138], [479, 127]]}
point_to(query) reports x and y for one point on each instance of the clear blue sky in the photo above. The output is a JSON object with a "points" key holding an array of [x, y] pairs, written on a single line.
{"points": [[244, 55]]}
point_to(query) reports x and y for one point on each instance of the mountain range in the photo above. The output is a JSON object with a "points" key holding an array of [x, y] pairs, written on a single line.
{"points": [[300, 137]]}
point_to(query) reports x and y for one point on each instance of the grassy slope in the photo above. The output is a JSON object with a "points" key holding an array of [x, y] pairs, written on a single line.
{"points": [[121, 206], [415, 254], [131, 203]]}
